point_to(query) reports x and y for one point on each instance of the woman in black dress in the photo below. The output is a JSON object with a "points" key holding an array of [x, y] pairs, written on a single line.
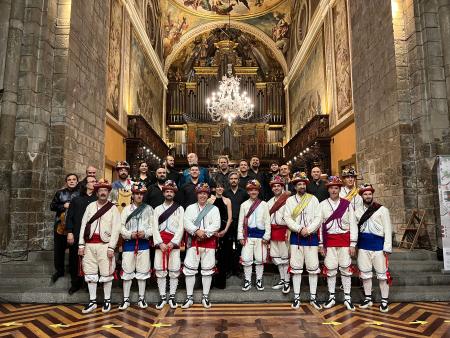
{"points": [[144, 176], [225, 241]]}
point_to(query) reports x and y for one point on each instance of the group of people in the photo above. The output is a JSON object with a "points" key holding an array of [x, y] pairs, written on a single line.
{"points": [[231, 218]]}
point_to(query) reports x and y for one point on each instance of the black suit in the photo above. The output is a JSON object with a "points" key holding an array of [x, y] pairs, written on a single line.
{"points": [[154, 196], [319, 189]]}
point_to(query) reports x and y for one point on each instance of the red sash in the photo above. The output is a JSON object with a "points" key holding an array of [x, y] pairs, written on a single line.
{"points": [[208, 243], [280, 202], [166, 236], [95, 239], [338, 240], [278, 232]]}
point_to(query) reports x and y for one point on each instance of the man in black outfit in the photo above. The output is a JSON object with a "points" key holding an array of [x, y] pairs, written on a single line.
{"points": [[244, 177], [274, 170], [187, 194], [256, 174], [154, 196], [223, 171], [171, 173], [60, 204], [317, 186], [237, 195], [73, 224]]}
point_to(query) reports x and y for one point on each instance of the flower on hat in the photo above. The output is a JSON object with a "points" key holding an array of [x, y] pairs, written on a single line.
{"points": [[253, 184], [170, 185], [102, 183], [299, 177], [365, 187], [138, 187]]}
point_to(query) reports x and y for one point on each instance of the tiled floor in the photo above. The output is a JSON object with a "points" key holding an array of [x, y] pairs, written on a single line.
{"points": [[226, 320]]}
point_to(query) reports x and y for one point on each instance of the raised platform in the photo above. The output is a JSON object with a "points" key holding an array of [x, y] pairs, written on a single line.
{"points": [[417, 277]]}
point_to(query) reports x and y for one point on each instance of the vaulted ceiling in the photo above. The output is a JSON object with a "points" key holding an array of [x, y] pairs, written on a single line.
{"points": [[264, 24]]}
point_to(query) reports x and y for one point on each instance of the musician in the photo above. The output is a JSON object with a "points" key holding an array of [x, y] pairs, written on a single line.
{"points": [[121, 189]]}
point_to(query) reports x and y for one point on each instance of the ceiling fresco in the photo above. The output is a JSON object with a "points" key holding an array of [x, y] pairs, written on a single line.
{"points": [[270, 16], [250, 52]]}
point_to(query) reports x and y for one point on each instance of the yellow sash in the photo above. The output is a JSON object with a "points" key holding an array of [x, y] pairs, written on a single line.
{"points": [[304, 201], [124, 199], [352, 193]]}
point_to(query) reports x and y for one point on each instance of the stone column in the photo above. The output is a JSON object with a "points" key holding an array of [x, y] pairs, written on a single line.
{"points": [[9, 113], [444, 23]]}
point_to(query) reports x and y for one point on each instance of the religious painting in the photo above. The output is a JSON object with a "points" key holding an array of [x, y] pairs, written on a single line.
{"points": [[275, 24], [342, 59], [114, 59], [307, 92], [299, 27], [126, 64], [145, 89], [153, 26], [235, 8]]}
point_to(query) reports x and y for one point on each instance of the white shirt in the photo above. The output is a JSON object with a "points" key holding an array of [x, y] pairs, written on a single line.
{"points": [[173, 225], [260, 219], [346, 224], [210, 223], [278, 216], [378, 224], [309, 217], [356, 201], [144, 222]]}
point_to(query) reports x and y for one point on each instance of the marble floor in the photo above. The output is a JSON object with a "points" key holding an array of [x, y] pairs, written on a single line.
{"points": [[226, 320]]}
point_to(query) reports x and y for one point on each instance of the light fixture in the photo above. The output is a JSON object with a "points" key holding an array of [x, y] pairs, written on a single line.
{"points": [[228, 103]]}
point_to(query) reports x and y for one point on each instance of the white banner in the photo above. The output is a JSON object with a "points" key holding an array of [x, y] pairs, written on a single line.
{"points": [[444, 205]]}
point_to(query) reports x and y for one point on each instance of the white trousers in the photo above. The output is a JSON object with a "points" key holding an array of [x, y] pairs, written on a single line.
{"points": [[136, 266], [369, 260], [96, 261], [205, 257], [337, 257], [167, 264], [304, 255], [279, 251], [254, 251]]}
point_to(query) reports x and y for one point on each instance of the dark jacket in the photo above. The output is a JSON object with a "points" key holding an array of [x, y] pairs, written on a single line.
{"points": [[318, 189], [243, 181], [154, 196], [61, 197], [236, 200], [175, 176], [221, 177], [75, 213], [187, 194], [202, 178], [261, 177]]}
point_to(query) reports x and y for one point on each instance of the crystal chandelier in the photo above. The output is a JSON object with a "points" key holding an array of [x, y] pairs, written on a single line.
{"points": [[228, 104]]}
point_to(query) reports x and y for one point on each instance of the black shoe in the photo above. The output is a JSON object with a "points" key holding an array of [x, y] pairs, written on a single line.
{"points": [[106, 305], [56, 276], [73, 289]]}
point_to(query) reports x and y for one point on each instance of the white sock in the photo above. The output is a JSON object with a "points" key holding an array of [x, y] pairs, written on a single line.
{"points": [[281, 271], [190, 282], [347, 284], [126, 288], [259, 271], [107, 289], [173, 285], [92, 291], [248, 272], [367, 284], [287, 275], [141, 286], [384, 288], [297, 282], [313, 278], [206, 283], [161, 281], [331, 281]]}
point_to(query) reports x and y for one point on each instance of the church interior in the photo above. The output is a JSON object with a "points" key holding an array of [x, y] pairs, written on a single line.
{"points": [[330, 83]]}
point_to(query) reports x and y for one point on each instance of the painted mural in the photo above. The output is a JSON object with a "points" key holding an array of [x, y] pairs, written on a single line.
{"points": [[236, 8], [342, 59], [153, 26], [146, 92], [180, 16], [114, 59], [307, 93]]}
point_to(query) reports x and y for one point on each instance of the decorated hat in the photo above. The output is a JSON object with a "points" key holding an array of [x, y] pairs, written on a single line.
{"points": [[253, 184], [202, 187], [102, 183], [334, 181], [349, 172], [366, 187], [299, 177], [170, 185], [122, 165], [138, 187], [276, 180]]}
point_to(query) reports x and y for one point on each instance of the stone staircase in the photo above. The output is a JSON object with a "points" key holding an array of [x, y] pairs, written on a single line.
{"points": [[417, 276]]}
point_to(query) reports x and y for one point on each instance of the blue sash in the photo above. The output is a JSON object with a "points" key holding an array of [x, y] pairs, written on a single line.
{"points": [[256, 233], [368, 241], [311, 240], [129, 244]]}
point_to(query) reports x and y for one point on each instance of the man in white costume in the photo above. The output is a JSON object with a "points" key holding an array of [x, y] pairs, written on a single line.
{"points": [[374, 246], [137, 223], [201, 222], [99, 233], [279, 248], [254, 235], [302, 215], [167, 235], [337, 240], [349, 191]]}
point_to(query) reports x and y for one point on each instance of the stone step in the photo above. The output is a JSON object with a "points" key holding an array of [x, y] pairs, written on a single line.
{"points": [[415, 266], [398, 254], [232, 294]]}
